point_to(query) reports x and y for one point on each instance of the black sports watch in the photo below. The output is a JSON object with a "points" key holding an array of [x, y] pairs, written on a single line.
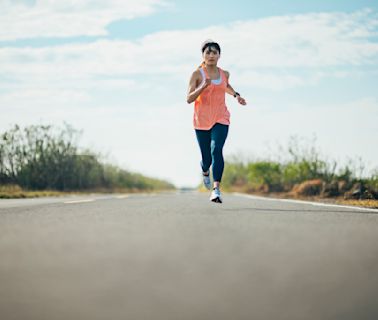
{"points": [[236, 94]]}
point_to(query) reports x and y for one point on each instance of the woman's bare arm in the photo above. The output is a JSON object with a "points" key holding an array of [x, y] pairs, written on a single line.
{"points": [[193, 91], [230, 90]]}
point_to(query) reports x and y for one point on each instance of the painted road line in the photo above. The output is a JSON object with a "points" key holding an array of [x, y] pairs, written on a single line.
{"points": [[303, 201], [122, 197], [80, 201]]}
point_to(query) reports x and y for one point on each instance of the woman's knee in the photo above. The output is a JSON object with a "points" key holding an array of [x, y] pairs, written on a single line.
{"points": [[216, 149]]}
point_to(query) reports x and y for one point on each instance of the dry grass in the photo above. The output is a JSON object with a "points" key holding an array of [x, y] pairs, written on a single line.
{"points": [[290, 195], [360, 203], [16, 192]]}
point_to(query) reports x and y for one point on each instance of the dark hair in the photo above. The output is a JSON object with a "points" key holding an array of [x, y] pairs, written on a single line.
{"points": [[209, 44]]}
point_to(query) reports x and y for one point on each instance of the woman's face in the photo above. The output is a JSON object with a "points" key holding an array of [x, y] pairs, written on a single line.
{"points": [[211, 56]]}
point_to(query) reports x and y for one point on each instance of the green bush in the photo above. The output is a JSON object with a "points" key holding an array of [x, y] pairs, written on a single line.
{"points": [[264, 173], [44, 157], [303, 161]]}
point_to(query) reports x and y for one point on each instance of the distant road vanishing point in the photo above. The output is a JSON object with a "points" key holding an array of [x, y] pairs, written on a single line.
{"points": [[178, 256]]}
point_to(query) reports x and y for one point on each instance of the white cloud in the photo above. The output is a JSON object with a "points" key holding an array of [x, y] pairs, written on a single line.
{"points": [[274, 81], [68, 18], [304, 41], [42, 97]]}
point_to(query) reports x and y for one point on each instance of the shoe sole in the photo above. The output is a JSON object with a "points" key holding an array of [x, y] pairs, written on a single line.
{"points": [[216, 200]]}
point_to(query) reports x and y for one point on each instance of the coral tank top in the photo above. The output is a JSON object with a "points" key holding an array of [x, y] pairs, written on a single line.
{"points": [[210, 106]]}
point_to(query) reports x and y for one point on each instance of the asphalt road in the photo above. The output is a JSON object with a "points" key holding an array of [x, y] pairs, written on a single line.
{"points": [[179, 256]]}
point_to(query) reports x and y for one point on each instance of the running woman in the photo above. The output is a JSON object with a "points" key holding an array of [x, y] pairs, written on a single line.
{"points": [[207, 87]]}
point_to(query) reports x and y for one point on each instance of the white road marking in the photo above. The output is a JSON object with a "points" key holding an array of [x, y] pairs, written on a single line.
{"points": [[80, 201], [122, 197], [303, 201]]}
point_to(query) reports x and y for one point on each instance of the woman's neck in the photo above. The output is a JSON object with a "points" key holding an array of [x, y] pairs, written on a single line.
{"points": [[211, 68]]}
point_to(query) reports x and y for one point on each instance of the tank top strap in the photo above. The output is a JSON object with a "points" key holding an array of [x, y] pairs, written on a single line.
{"points": [[223, 75], [203, 73], [204, 70]]}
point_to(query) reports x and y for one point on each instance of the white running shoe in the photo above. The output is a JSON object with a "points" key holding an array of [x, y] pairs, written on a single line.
{"points": [[206, 181], [216, 196]]}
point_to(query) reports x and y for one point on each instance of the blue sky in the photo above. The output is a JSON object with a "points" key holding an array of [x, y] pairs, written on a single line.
{"points": [[119, 71]]}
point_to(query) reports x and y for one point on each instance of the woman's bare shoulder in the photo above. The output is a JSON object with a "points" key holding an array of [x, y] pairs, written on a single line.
{"points": [[196, 74]]}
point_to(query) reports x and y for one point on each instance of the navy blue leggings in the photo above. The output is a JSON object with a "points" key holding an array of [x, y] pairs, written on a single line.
{"points": [[211, 143]]}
